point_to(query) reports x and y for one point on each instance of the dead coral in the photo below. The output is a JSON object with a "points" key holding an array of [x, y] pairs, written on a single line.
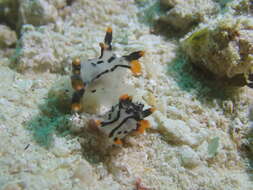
{"points": [[37, 12], [7, 36], [225, 48], [242, 7], [182, 16]]}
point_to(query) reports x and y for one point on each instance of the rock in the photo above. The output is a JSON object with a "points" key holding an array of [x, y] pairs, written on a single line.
{"points": [[85, 174], [60, 149], [8, 37], [41, 50], [182, 16], [9, 12], [13, 186], [177, 132], [189, 157], [225, 48], [37, 12], [242, 7]]}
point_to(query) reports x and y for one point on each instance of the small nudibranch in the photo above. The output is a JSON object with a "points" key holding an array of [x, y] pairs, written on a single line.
{"points": [[123, 118], [85, 72]]}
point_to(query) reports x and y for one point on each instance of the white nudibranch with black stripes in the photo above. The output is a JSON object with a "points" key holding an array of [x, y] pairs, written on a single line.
{"points": [[124, 118], [87, 72]]}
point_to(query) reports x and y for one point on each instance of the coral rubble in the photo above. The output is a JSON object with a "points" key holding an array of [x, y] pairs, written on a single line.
{"points": [[225, 47]]}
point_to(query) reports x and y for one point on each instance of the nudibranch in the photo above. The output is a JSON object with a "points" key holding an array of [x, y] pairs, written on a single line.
{"points": [[124, 118], [85, 72]]}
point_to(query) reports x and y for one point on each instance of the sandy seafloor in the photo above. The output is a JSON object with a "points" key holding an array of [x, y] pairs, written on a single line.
{"points": [[172, 155]]}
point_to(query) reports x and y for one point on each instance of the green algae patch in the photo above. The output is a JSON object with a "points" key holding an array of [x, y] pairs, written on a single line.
{"points": [[197, 39], [53, 118], [213, 146], [149, 12]]}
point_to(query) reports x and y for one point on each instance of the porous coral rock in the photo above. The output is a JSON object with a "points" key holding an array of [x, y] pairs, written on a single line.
{"points": [[242, 7], [7, 36], [181, 16], [85, 174], [37, 12], [42, 50], [189, 157], [177, 132], [225, 48]]}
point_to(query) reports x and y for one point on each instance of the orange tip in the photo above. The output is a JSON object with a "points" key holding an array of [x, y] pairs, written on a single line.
{"points": [[76, 107], [118, 141], [135, 67], [125, 97], [97, 122], [109, 30], [77, 61], [142, 53], [77, 84], [143, 124], [152, 110]]}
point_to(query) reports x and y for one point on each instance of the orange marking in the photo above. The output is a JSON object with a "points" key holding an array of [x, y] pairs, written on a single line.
{"points": [[135, 67], [77, 84], [142, 53], [76, 62], [97, 122], [109, 30], [152, 110], [76, 107], [118, 141], [125, 97], [143, 124]]}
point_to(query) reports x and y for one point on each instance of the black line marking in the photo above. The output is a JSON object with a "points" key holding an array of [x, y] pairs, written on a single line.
{"points": [[133, 56], [123, 66], [77, 96], [100, 74], [146, 113], [108, 39], [103, 124], [76, 67], [74, 78], [122, 122], [27, 146], [94, 64], [99, 62], [111, 59], [112, 69]]}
